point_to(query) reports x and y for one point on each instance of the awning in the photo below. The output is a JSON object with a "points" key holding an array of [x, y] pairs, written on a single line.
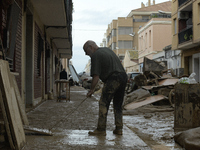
{"points": [[56, 15]]}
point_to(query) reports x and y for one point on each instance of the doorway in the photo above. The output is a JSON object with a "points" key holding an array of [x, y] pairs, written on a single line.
{"points": [[29, 61], [196, 66]]}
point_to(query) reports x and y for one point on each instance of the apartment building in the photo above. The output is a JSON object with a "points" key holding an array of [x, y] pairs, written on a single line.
{"points": [[153, 37], [121, 34], [186, 34]]}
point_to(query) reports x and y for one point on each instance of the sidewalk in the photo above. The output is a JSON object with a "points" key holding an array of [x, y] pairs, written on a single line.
{"points": [[70, 126]]}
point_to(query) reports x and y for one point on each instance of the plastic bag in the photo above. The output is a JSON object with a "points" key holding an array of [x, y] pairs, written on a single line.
{"points": [[191, 79], [184, 80]]}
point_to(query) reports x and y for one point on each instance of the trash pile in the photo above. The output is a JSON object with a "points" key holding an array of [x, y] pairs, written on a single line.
{"points": [[86, 81], [155, 84]]}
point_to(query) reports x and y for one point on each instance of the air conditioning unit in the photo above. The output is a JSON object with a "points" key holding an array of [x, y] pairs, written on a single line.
{"points": [[183, 15]]}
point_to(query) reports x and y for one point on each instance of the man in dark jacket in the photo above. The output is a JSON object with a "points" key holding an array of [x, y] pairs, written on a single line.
{"points": [[63, 75], [105, 65]]}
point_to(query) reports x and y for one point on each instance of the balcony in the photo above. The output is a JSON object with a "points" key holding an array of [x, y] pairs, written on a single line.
{"points": [[57, 18], [141, 20], [185, 35], [180, 2]]}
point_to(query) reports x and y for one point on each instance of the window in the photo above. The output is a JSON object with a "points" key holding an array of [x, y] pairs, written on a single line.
{"points": [[199, 11], [125, 44], [125, 30], [40, 49], [108, 39], [113, 32], [145, 40], [145, 17], [113, 46], [149, 38], [141, 42], [175, 26]]}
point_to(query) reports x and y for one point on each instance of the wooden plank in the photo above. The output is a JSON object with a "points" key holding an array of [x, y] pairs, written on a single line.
{"points": [[7, 127], [38, 131], [148, 100], [21, 105], [168, 81], [11, 106]]}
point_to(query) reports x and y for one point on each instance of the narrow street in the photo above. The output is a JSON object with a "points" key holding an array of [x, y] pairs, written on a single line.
{"points": [[144, 128]]}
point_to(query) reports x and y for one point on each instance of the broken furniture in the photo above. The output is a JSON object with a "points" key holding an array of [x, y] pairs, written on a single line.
{"points": [[153, 66], [162, 89], [59, 90]]}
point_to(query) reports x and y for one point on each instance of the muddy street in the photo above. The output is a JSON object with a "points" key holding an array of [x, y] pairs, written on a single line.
{"points": [[145, 128]]}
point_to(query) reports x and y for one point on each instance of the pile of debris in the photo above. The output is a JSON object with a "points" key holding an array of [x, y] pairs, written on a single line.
{"points": [[155, 84], [86, 81]]}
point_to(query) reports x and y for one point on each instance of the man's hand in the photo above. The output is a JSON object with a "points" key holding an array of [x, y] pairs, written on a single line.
{"points": [[90, 92], [95, 79]]}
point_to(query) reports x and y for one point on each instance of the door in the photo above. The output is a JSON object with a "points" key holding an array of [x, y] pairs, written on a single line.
{"points": [[196, 66]]}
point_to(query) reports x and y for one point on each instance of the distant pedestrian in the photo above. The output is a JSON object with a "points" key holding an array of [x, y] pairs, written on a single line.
{"points": [[63, 75], [105, 65]]}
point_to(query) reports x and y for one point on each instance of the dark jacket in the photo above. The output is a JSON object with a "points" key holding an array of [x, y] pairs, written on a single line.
{"points": [[63, 75]]}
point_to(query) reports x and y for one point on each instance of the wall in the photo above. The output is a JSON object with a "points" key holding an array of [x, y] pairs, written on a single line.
{"points": [[4, 5], [18, 52], [153, 37], [174, 16], [37, 78], [196, 21]]}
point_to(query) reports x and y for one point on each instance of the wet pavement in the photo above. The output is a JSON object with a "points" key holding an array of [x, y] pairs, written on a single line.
{"points": [[70, 122]]}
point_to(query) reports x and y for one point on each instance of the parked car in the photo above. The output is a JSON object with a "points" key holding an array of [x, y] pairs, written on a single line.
{"points": [[130, 82]]}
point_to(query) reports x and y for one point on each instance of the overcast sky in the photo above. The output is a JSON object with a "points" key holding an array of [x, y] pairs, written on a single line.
{"points": [[91, 19]]}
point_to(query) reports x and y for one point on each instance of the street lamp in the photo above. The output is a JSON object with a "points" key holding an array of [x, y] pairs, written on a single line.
{"points": [[132, 34]]}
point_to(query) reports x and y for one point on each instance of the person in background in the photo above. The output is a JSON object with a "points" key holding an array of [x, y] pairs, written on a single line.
{"points": [[105, 65], [63, 75]]}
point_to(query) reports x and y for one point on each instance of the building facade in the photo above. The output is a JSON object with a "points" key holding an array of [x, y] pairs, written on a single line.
{"points": [[186, 34], [131, 61], [36, 38], [122, 33], [153, 37]]}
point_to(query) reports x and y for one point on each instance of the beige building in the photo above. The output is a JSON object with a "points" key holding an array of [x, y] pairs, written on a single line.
{"points": [[186, 34], [121, 34], [131, 61], [153, 37], [117, 35]]}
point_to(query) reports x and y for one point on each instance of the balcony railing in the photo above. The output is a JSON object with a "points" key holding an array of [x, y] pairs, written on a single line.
{"points": [[185, 35], [141, 20], [180, 2]]}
